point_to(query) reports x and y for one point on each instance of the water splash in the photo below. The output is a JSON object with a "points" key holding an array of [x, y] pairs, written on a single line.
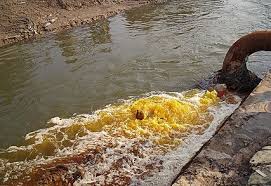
{"points": [[121, 144]]}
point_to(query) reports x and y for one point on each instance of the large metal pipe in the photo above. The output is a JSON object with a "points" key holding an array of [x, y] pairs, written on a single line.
{"points": [[234, 72]]}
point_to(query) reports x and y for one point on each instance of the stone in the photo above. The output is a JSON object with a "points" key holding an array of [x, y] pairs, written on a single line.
{"points": [[47, 24], [261, 164], [267, 148], [53, 20], [72, 23], [261, 157], [260, 177], [49, 27]]}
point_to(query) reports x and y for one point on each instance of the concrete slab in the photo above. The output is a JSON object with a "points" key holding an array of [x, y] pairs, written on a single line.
{"points": [[224, 160]]}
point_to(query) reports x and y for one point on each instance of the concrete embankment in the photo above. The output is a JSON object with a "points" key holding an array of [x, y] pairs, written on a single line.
{"points": [[28, 19], [229, 157]]}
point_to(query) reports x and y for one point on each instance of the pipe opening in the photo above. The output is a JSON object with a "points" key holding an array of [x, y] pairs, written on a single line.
{"points": [[234, 72]]}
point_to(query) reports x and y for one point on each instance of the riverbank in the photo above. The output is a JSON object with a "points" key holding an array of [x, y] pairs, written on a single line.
{"points": [[28, 19], [228, 158]]}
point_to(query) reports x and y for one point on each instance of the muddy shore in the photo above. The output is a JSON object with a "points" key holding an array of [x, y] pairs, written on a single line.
{"points": [[28, 19]]}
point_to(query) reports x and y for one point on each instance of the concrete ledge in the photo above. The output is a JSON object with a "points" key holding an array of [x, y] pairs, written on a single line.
{"points": [[225, 159]]}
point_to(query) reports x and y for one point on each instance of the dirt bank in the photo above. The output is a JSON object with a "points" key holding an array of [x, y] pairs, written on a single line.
{"points": [[25, 19]]}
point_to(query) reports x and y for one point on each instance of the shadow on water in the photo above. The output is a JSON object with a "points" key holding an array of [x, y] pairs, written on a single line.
{"points": [[100, 32], [66, 43], [165, 47], [74, 46]]}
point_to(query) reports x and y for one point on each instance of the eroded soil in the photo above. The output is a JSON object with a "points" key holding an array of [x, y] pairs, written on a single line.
{"points": [[25, 19]]}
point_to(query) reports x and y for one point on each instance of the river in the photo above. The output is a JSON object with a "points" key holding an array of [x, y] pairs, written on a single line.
{"points": [[167, 47]]}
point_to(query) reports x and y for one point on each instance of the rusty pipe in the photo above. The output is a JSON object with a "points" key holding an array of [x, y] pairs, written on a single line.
{"points": [[245, 46], [234, 72]]}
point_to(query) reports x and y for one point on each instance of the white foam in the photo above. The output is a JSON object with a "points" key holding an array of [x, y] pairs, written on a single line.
{"points": [[174, 161]]}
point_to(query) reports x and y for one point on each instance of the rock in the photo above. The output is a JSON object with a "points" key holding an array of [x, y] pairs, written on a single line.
{"points": [[47, 24], [72, 23], [53, 20], [49, 27], [267, 148], [261, 157], [260, 177], [261, 164]]}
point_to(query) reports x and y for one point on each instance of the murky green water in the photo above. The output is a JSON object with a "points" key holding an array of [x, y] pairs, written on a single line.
{"points": [[164, 47]]}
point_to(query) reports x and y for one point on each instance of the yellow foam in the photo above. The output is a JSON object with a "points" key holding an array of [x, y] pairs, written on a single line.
{"points": [[165, 120]]}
